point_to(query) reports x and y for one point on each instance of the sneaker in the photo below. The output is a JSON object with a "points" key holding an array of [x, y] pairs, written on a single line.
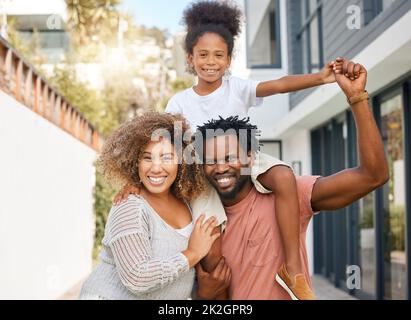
{"points": [[297, 288]]}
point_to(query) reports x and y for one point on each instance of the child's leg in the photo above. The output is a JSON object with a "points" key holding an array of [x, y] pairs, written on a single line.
{"points": [[272, 174], [288, 216]]}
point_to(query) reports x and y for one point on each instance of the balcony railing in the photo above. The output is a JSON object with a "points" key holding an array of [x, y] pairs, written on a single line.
{"points": [[19, 79]]}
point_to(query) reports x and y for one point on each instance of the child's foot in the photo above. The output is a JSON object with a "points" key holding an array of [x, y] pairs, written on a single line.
{"points": [[297, 286]]}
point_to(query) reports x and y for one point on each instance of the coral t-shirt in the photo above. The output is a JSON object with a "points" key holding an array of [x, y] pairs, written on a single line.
{"points": [[251, 243]]}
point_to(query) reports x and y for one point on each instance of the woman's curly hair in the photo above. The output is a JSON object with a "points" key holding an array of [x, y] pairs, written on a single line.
{"points": [[220, 17], [123, 150]]}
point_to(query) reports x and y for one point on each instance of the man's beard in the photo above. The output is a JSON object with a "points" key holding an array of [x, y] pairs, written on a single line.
{"points": [[230, 195]]}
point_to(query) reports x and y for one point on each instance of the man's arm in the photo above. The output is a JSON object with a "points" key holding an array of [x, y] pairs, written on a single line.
{"points": [[213, 285], [210, 261], [209, 264], [343, 188]]}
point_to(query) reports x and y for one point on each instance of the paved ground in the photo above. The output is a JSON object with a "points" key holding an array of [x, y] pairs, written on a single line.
{"points": [[73, 293], [322, 288], [326, 291]]}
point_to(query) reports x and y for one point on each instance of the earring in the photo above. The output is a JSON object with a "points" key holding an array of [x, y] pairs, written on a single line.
{"points": [[190, 69], [227, 73]]}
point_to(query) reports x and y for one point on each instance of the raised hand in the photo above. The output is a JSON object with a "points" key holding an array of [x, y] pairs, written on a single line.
{"points": [[350, 76], [328, 71]]}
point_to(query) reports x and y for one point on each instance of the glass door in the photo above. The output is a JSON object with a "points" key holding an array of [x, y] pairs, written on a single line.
{"points": [[394, 197], [362, 226]]}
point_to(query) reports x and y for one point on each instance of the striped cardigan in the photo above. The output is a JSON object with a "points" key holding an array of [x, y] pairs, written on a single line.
{"points": [[141, 257]]}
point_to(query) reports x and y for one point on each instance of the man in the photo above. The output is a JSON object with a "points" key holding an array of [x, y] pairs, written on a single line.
{"points": [[251, 244]]}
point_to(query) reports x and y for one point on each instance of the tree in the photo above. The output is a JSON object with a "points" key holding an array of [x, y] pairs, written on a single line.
{"points": [[103, 193], [85, 100], [89, 20]]}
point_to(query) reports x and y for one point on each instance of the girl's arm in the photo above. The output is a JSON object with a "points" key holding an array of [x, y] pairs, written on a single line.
{"points": [[298, 82]]}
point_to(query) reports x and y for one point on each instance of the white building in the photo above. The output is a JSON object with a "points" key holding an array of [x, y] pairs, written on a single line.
{"points": [[44, 17], [316, 129]]}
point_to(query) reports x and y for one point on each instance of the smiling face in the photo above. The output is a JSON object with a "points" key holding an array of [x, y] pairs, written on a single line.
{"points": [[210, 58], [158, 166], [223, 168]]}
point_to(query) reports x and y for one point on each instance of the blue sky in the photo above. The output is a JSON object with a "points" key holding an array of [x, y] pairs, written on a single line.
{"points": [[164, 14]]}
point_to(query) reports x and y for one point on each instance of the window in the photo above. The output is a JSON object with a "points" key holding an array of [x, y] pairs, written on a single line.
{"points": [[366, 241], [373, 8], [377, 225], [392, 127], [310, 37], [263, 33], [329, 153], [272, 148]]}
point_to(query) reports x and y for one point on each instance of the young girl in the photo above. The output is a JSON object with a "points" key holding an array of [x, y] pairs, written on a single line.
{"points": [[211, 30], [151, 243]]}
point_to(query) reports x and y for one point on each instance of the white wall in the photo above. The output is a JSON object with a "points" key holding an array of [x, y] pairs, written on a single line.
{"points": [[259, 43], [297, 147], [256, 16], [46, 214]]}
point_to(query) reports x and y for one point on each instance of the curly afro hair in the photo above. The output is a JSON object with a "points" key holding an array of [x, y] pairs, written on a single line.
{"points": [[220, 17], [123, 150]]}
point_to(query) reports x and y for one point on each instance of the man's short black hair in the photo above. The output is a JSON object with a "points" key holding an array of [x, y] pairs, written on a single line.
{"points": [[230, 125]]}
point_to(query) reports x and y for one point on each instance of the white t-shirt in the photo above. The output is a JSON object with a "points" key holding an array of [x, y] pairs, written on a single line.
{"points": [[234, 97]]}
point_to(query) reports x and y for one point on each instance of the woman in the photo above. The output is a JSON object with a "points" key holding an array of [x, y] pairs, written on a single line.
{"points": [[150, 244]]}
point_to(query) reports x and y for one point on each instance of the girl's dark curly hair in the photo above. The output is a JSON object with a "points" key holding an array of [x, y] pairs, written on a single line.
{"points": [[123, 150], [220, 17]]}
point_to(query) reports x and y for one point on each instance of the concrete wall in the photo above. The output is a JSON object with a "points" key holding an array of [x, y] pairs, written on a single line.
{"points": [[297, 147], [46, 210]]}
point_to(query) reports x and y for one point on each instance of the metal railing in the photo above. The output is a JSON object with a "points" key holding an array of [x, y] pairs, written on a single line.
{"points": [[19, 79]]}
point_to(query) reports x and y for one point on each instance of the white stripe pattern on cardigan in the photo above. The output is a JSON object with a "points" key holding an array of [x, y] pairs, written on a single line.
{"points": [[141, 257]]}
